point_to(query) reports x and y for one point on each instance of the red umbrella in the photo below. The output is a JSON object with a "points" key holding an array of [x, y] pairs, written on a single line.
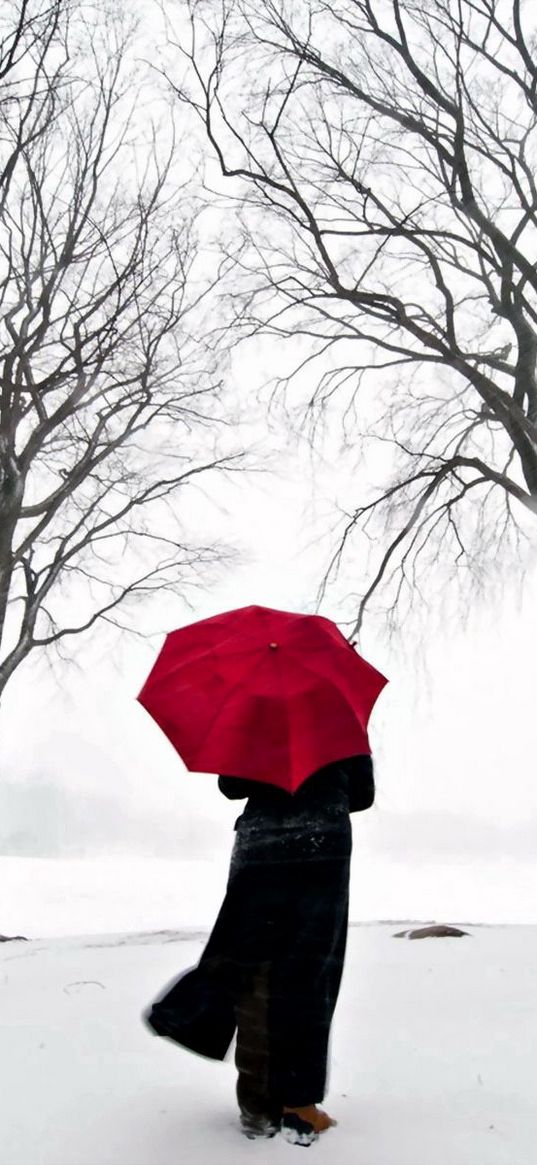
{"points": [[264, 694]]}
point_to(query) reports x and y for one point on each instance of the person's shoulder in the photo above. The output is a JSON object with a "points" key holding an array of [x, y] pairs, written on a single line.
{"points": [[359, 766], [235, 787], [361, 782]]}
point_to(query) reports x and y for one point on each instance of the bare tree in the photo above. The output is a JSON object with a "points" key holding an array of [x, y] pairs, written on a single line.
{"points": [[383, 154], [110, 395]]}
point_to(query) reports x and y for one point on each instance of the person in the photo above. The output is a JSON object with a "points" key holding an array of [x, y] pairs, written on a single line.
{"points": [[273, 963]]}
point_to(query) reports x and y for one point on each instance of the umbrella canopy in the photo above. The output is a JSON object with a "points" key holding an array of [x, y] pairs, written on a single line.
{"points": [[264, 694]]}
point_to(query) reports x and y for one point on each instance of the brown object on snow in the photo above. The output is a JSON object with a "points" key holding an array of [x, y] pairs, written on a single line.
{"points": [[440, 931]]}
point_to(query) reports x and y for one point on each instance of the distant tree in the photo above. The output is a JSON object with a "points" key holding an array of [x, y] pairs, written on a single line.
{"points": [[383, 155], [110, 398]]}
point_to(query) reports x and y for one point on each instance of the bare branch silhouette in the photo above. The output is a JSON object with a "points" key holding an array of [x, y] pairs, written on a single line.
{"points": [[110, 378], [382, 161]]}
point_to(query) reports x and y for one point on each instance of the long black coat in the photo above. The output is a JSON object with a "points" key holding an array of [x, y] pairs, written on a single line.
{"points": [[273, 963]]}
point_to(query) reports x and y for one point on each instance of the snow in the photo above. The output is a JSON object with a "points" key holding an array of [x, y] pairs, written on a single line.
{"points": [[434, 1052], [434, 1043]]}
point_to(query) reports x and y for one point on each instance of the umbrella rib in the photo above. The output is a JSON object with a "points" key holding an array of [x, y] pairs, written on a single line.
{"points": [[316, 673], [312, 671], [226, 699], [204, 653]]}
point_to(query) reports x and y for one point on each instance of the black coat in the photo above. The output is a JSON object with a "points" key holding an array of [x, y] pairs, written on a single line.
{"points": [[273, 963]]}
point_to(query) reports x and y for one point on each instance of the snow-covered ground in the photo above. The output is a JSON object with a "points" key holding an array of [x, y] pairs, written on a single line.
{"points": [[434, 1056], [434, 1050]]}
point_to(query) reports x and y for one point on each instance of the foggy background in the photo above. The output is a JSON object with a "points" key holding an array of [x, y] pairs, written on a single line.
{"points": [[86, 774]]}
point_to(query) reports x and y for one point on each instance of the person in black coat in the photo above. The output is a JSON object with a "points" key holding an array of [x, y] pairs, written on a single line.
{"points": [[273, 963]]}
